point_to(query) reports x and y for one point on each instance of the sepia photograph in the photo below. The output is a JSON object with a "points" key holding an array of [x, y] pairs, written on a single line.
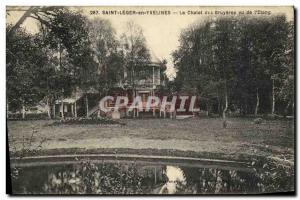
{"points": [[150, 100]]}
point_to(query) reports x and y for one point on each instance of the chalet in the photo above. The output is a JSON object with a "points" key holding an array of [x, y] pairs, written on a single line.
{"points": [[143, 82]]}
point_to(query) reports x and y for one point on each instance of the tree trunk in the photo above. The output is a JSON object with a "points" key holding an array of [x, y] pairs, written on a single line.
{"points": [[286, 108], [75, 103], [87, 106], [23, 111], [7, 109], [219, 103], [257, 102], [53, 110], [62, 107], [48, 108], [207, 107], [72, 109], [99, 110], [62, 90], [133, 93], [226, 103], [273, 98]]}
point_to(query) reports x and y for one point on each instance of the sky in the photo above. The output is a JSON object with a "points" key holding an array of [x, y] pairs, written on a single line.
{"points": [[162, 31]]}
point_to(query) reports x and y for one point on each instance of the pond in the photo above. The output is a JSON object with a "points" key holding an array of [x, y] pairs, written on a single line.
{"points": [[130, 177]]}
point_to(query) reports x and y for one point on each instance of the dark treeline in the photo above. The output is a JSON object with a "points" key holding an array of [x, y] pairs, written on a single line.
{"points": [[243, 65]]}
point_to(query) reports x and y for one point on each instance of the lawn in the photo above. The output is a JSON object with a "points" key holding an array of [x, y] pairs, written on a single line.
{"points": [[206, 135]]}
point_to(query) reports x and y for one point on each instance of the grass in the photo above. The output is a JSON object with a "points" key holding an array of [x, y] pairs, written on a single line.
{"points": [[242, 137]]}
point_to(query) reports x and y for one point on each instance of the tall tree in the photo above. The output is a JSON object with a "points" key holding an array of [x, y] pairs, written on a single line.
{"points": [[135, 55], [67, 32], [23, 63], [104, 46], [240, 63], [134, 50]]}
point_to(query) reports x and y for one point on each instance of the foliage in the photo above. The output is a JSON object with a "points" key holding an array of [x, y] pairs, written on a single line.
{"points": [[115, 178], [66, 33], [238, 58], [24, 61], [90, 178], [69, 52], [134, 52], [72, 121], [104, 46]]}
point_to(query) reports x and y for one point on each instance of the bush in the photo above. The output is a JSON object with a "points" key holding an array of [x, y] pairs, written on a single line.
{"points": [[29, 116], [81, 120]]}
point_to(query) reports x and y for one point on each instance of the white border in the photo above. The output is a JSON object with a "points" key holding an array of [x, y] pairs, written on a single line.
{"points": [[3, 4]]}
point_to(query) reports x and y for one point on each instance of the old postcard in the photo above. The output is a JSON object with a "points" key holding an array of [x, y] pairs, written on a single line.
{"points": [[150, 100]]}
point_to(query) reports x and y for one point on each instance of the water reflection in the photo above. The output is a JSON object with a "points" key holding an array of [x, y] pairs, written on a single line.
{"points": [[132, 178], [176, 180]]}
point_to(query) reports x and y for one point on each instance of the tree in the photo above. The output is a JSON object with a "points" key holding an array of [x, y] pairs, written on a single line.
{"points": [[287, 82], [134, 49], [225, 59], [135, 54], [105, 50], [240, 63], [67, 32], [23, 63]]}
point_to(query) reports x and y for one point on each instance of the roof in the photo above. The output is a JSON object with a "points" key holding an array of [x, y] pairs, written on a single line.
{"points": [[68, 100], [153, 58]]}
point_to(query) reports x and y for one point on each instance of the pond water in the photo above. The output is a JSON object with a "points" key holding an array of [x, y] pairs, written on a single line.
{"points": [[136, 178]]}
